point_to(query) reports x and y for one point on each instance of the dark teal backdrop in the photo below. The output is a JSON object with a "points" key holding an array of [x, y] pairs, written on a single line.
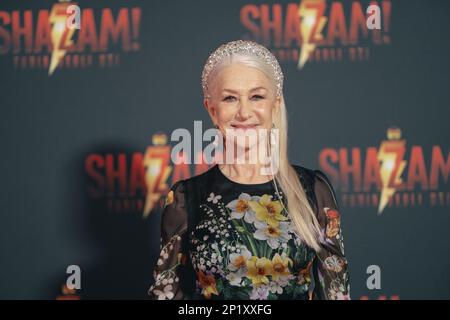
{"points": [[54, 210]]}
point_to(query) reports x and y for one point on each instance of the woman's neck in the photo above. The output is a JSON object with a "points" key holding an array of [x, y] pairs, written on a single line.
{"points": [[245, 173]]}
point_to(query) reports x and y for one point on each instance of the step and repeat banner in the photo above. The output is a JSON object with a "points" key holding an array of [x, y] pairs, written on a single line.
{"points": [[91, 92]]}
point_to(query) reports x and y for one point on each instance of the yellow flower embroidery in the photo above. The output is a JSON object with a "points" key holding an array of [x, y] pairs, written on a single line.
{"points": [[258, 270], [268, 211], [280, 266]]}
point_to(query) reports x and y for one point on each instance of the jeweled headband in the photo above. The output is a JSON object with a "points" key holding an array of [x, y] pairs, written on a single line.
{"points": [[244, 47]]}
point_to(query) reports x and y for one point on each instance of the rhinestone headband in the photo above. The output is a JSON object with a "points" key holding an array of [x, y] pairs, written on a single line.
{"points": [[242, 47]]}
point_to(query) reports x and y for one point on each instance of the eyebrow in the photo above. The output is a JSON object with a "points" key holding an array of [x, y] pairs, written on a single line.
{"points": [[234, 91]]}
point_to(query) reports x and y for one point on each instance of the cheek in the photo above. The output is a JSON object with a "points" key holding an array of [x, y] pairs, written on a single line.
{"points": [[264, 112], [225, 114]]}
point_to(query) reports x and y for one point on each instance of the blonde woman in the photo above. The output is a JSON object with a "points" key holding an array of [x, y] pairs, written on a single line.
{"points": [[236, 232]]}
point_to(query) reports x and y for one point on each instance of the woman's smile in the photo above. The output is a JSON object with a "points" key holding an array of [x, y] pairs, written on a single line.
{"points": [[244, 127]]}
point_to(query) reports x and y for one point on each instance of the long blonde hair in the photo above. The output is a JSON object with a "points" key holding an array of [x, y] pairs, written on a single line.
{"points": [[298, 207]]}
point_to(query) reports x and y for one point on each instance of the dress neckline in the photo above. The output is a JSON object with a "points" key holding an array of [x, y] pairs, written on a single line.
{"points": [[220, 173]]}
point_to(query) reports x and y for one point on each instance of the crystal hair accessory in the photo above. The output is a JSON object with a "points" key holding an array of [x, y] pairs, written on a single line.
{"points": [[242, 47]]}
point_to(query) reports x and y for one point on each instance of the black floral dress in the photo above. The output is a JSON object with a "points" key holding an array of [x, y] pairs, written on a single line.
{"points": [[225, 240]]}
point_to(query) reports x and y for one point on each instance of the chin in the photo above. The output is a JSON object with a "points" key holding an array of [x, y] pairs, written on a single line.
{"points": [[246, 146]]}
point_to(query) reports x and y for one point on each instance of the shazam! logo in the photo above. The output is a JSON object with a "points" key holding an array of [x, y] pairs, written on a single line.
{"points": [[61, 31], [318, 31], [312, 23], [390, 175], [157, 171], [67, 36]]}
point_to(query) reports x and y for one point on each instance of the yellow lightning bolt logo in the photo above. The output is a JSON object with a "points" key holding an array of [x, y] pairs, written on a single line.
{"points": [[312, 23], [390, 154], [61, 34], [156, 161]]}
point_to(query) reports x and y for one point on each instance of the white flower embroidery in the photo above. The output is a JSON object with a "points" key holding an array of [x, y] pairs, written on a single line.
{"points": [[235, 278], [214, 198], [259, 293], [166, 293], [273, 235], [334, 263], [240, 208], [275, 287], [237, 260], [167, 281]]}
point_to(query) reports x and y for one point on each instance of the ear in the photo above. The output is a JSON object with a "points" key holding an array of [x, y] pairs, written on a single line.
{"points": [[211, 110], [277, 106]]}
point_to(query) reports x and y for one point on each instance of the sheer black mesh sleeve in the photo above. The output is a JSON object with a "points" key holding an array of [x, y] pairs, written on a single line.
{"points": [[331, 274], [169, 271]]}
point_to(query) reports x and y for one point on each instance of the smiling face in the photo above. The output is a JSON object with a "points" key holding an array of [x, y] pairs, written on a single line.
{"points": [[242, 97]]}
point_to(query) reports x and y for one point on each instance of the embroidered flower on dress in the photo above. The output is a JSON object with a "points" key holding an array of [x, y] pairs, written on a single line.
{"points": [[280, 266], [164, 294], [259, 270], [214, 198], [240, 208], [238, 260], [259, 293], [273, 235], [207, 283], [246, 245], [268, 211], [334, 263], [333, 222]]}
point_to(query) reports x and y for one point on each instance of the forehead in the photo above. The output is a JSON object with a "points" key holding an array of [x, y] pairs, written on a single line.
{"points": [[237, 76]]}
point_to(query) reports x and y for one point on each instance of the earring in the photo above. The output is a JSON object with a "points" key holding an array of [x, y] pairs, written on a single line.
{"points": [[272, 135]]}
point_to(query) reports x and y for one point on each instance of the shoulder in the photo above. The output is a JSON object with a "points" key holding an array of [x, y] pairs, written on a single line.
{"points": [[187, 192], [304, 173], [174, 214], [184, 185], [307, 180], [322, 177], [314, 175], [316, 181], [324, 188], [198, 182]]}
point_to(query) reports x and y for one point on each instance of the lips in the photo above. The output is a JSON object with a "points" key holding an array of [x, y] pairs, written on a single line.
{"points": [[244, 127]]}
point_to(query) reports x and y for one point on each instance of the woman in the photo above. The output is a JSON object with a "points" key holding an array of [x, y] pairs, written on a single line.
{"points": [[235, 232]]}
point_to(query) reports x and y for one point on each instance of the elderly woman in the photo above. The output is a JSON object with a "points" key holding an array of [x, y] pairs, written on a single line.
{"points": [[236, 232]]}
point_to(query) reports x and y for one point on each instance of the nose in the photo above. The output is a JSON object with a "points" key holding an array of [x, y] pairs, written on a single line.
{"points": [[245, 110]]}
